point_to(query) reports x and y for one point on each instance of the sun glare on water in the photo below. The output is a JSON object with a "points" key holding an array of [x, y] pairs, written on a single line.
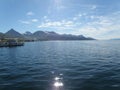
{"points": [[58, 84]]}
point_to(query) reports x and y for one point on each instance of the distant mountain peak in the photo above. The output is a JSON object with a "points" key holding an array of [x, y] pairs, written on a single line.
{"points": [[13, 34], [52, 32], [11, 30], [27, 33]]}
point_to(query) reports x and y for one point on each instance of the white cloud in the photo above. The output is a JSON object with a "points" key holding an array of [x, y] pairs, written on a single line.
{"points": [[30, 13], [93, 7], [58, 4], [78, 16], [45, 17], [28, 21], [34, 20], [102, 27], [24, 22], [56, 24], [75, 18]]}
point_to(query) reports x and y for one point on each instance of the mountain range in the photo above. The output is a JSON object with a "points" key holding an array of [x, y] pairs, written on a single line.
{"points": [[43, 35]]}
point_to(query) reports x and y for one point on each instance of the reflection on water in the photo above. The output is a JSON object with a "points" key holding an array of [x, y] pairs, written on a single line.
{"points": [[57, 78], [58, 82]]}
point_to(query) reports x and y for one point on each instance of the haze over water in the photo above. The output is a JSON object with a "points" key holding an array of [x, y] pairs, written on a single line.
{"points": [[61, 65]]}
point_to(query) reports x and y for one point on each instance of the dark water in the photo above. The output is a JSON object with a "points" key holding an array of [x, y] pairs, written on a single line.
{"points": [[61, 65]]}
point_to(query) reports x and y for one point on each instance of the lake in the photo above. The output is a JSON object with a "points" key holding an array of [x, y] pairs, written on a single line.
{"points": [[61, 65]]}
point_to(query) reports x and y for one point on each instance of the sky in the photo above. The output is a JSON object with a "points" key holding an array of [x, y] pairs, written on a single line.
{"points": [[93, 18]]}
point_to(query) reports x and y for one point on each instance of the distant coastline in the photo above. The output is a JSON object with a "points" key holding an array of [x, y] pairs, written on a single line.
{"points": [[115, 39], [8, 42]]}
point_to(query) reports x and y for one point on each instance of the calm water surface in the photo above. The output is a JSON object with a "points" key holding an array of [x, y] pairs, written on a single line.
{"points": [[61, 65]]}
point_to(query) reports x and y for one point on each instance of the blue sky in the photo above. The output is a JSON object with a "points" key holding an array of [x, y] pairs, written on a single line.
{"points": [[94, 18]]}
